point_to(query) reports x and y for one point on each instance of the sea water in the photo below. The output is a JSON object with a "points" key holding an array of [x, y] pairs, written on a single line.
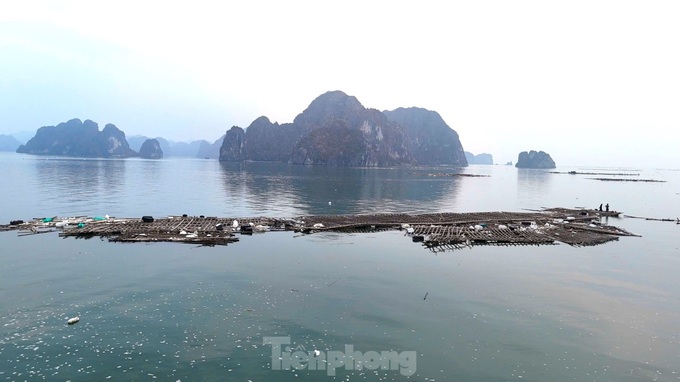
{"points": [[180, 312]]}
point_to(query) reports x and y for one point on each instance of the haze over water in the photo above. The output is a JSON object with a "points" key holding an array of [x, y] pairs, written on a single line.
{"points": [[179, 312]]}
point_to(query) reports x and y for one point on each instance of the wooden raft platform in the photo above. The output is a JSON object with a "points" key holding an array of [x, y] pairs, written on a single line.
{"points": [[436, 230]]}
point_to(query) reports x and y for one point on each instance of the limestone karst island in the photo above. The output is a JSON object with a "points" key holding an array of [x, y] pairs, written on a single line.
{"points": [[336, 129]]}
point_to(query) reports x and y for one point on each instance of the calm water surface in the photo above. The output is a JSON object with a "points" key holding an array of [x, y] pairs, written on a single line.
{"points": [[177, 312]]}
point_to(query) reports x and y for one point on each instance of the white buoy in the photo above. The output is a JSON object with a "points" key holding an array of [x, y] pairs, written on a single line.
{"points": [[329, 203], [410, 230], [261, 228], [318, 225], [234, 224], [316, 353], [405, 226], [73, 320]]}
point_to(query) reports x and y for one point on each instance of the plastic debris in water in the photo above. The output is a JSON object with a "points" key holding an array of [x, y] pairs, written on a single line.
{"points": [[73, 320], [261, 228]]}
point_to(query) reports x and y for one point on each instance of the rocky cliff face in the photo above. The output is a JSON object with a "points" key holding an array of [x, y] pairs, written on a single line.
{"points": [[151, 149], [79, 139], [479, 158], [232, 148], [533, 159], [334, 144], [375, 140], [112, 139], [431, 140], [336, 129], [328, 107], [267, 141]]}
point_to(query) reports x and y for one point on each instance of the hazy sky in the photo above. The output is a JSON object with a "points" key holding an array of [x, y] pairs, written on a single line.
{"points": [[590, 82]]}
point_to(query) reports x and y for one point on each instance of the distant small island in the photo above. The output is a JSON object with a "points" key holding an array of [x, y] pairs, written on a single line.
{"points": [[151, 149], [535, 159], [76, 138], [483, 158]]}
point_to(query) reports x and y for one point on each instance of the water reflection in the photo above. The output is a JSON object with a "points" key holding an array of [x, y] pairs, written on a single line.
{"points": [[289, 190], [78, 182], [532, 183]]}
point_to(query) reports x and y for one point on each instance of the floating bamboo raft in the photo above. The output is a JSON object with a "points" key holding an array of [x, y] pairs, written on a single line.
{"points": [[437, 231]]}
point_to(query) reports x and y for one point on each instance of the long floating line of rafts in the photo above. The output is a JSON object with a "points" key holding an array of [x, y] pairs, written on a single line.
{"points": [[571, 226]]}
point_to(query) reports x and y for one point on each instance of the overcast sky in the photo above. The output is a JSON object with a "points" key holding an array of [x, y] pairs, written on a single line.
{"points": [[591, 82]]}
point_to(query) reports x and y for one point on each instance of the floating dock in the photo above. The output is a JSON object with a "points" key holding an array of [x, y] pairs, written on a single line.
{"points": [[437, 231]]}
